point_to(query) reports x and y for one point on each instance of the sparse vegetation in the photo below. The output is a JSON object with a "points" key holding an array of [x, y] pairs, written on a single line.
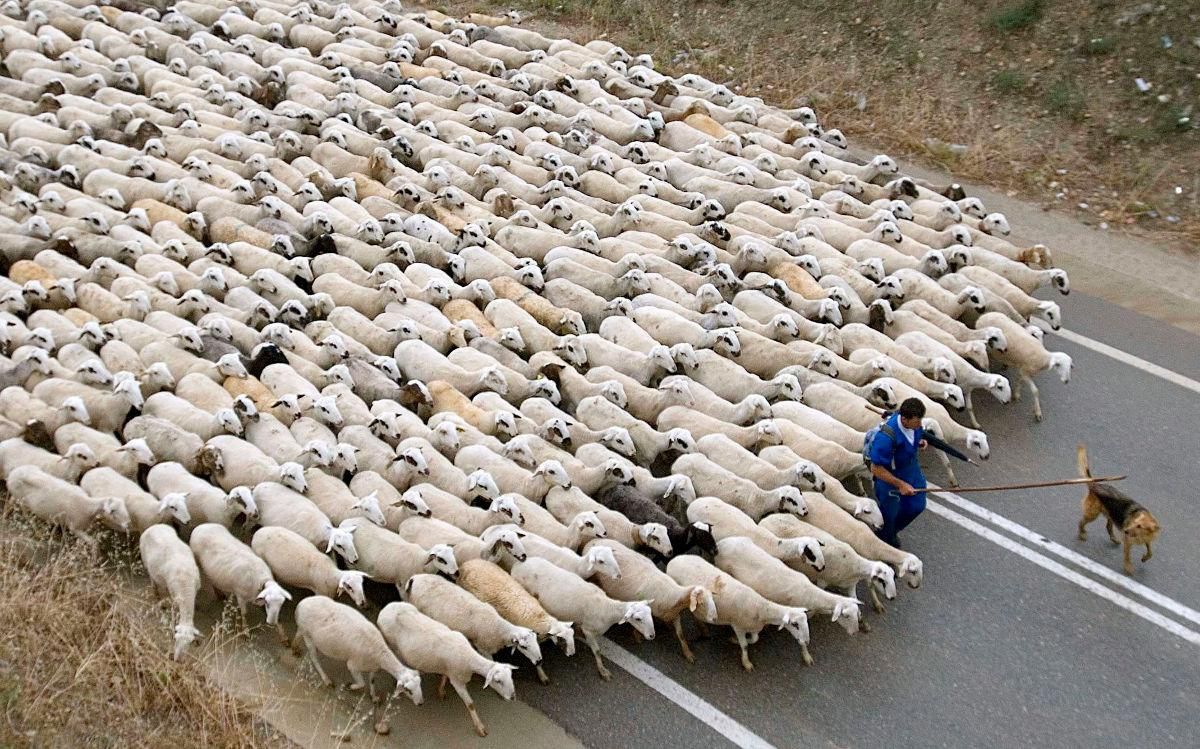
{"points": [[1017, 16], [83, 655], [1010, 81], [1064, 98], [1055, 117]]}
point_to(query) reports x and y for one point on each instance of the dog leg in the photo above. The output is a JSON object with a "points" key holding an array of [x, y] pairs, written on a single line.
{"points": [[1149, 553], [1128, 563], [1091, 511], [1108, 526]]}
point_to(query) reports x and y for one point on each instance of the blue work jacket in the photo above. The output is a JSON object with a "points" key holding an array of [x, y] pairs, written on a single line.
{"points": [[897, 454]]}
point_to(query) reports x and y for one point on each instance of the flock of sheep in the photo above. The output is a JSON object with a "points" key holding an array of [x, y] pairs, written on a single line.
{"points": [[308, 294]]}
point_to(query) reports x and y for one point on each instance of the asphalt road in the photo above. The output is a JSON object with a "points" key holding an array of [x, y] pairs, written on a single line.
{"points": [[993, 650]]}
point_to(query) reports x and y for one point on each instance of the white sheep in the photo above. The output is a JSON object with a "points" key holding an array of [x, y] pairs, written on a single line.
{"points": [[204, 502], [440, 599], [340, 632], [565, 594], [728, 454], [144, 508], [844, 567], [737, 604], [771, 578], [432, 647], [231, 567], [172, 570], [1027, 355], [387, 558], [280, 505], [62, 503], [711, 479], [296, 562], [641, 580]]}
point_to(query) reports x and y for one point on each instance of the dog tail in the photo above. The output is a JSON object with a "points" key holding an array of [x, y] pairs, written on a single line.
{"points": [[1082, 460]]}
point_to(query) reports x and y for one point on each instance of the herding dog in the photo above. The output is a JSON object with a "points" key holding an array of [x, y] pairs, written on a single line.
{"points": [[1137, 525]]}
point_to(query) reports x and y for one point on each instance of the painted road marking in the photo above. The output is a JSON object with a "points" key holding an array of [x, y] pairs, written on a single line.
{"points": [[1125, 358], [1068, 574], [692, 703], [1091, 565]]}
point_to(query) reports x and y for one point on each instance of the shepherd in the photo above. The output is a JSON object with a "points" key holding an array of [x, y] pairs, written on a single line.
{"points": [[896, 470]]}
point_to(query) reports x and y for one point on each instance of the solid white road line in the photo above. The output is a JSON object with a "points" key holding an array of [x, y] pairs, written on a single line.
{"points": [[1125, 358], [1088, 564], [692, 703], [1068, 574]]}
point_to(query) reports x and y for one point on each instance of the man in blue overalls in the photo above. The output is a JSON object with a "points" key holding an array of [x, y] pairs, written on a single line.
{"points": [[896, 469]]}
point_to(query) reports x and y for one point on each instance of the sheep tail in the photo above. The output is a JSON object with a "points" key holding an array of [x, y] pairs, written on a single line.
{"points": [[1081, 459]]}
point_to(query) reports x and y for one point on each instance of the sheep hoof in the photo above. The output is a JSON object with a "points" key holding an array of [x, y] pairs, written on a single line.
{"points": [[382, 728], [1037, 418], [864, 626], [605, 674], [748, 665]]}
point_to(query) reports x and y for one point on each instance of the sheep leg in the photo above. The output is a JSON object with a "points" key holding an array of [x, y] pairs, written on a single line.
{"points": [[92, 543], [971, 412], [805, 655], [1037, 403], [687, 651], [466, 698], [741, 640], [442, 687], [703, 629], [541, 674], [312, 656], [594, 644], [876, 601], [945, 461]]}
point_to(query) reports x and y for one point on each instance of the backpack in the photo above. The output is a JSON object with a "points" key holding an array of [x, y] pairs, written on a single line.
{"points": [[869, 439]]}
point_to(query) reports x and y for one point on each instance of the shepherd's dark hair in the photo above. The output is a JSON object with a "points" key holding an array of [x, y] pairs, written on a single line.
{"points": [[912, 408]]}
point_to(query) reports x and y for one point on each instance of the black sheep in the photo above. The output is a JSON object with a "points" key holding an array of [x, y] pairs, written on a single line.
{"points": [[640, 508], [265, 354]]}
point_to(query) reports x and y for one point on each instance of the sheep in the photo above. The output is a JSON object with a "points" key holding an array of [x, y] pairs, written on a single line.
{"points": [[730, 381], [1019, 274], [728, 454], [129, 459], [565, 594], [296, 562], [232, 461], [830, 518], [342, 633], [279, 505], [966, 376], [712, 479], [1027, 355], [63, 503], [472, 520], [200, 422], [204, 503], [741, 558], [108, 411], [231, 567], [432, 647], [765, 432], [567, 504], [144, 508], [738, 605], [387, 558], [482, 625], [172, 569], [844, 567], [640, 580], [724, 520], [509, 477], [492, 585], [76, 458]]}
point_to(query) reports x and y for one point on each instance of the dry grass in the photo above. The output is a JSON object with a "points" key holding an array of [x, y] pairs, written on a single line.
{"points": [[83, 655], [1041, 94]]}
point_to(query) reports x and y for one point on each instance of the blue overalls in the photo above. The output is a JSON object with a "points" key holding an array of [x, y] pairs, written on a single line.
{"points": [[899, 456]]}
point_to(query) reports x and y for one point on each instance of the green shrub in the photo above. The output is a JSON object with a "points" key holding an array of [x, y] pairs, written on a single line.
{"points": [[1017, 17]]}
